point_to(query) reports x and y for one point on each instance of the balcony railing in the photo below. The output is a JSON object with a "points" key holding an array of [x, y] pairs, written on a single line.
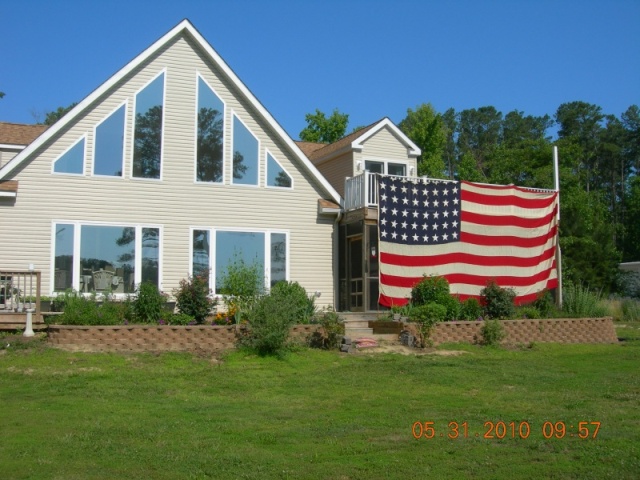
{"points": [[19, 299], [361, 191]]}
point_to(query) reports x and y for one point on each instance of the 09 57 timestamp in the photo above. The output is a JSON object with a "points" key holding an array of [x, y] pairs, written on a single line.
{"points": [[500, 430]]}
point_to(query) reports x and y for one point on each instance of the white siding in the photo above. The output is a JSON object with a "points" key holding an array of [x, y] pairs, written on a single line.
{"points": [[385, 145], [337, 169], [176, 202]]}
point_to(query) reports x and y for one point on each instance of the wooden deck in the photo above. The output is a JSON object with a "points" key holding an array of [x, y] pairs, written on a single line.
{"points": [[18, 321]]}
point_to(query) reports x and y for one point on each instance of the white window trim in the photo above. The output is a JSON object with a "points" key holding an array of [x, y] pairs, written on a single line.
{"points": [[257, 184], [124, 141], [164, 117], [224, 128], [77, 225], [267, 153], [386, 162], [213, 231], [84, 154]]}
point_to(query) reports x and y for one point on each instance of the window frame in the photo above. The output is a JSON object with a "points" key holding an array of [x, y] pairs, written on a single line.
{"points": [[83, 138], [199, 77], [213, 243], [268, 154], [163, 72], [234, 115], [77, 225], [124, 141], [386, 162]]}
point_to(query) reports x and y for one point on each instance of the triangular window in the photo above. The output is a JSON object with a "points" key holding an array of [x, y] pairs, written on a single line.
{"points": [[147, 137], [109, 145], [245, 154], [71, 161], [209, 162], [276, 174]]}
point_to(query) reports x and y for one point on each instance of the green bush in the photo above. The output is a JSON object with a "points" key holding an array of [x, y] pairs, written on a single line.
{"points": [[528, 311], [149, 304], [241, 285], [492, 333], [428, 290], [426, 316], [333, 329], [470, 309], [498, 301], [177, 319], [544, 304], [579, 302], [192, 298], [81, 310], [295, 296], [269, 323]]}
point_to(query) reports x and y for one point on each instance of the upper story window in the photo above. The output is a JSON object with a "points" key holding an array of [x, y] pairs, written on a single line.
{"points": [[109, 144], [385, 168], [71, 161], [209, 162], [245, 155], [147, 136], [277, 176]]}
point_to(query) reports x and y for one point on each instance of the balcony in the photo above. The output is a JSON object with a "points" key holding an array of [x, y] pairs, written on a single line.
{"points": [[361, 191]]}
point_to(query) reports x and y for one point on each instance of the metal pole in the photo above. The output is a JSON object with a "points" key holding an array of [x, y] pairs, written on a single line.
{"points": [[556, 174]]}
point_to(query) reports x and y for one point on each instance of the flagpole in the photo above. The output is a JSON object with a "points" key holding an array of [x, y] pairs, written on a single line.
{"points": [[556, 174]]}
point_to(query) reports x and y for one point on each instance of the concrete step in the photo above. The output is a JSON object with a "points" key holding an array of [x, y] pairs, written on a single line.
{"points": [[358, 332]]}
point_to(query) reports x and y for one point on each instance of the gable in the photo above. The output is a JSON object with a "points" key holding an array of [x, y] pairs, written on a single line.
{"points": [[183, 57]]}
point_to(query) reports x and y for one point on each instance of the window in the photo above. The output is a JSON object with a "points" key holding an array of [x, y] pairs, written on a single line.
{"points": [[276, 175], [245, 155], [147, 137], [214, 250], [71, 161], [109, 145], [209, 163], [385, 167], [105, 258], [63, 257]]}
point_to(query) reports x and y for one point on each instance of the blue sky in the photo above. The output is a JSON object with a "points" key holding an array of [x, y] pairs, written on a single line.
{"points": [[369, 59]]}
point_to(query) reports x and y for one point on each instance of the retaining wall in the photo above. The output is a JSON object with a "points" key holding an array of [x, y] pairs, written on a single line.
{"points": [[146, 338], [571, 330]]}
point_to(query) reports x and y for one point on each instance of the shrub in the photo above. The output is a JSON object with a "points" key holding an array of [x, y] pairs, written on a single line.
{"points": [[149, 304], [268, 329], [498, 301], [578, 301], [528, 311], [426, 316], [241, 285], [81, 310], [428, 290], [545, 304], [333, 329], [470, 309], [492, 333], [192, 298], [177, 319], [295, 296]]}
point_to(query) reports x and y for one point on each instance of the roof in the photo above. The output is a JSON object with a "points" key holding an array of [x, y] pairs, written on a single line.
{"points": [[309, 147], [183, 28], [19, 134], [354, 141]]}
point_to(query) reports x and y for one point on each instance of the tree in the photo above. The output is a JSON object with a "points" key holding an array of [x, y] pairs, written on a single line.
{"points": [[427, 130], [321, 129], [479, 133], [53, 117], [1, 94]]}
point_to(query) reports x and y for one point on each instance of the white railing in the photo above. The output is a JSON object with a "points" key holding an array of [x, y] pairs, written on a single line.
{"points": [[361, 191]]}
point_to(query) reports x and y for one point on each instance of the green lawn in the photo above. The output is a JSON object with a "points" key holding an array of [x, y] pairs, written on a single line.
{"points": [[320, 414]]}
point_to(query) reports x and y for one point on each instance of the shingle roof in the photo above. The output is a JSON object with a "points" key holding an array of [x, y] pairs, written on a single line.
{"points": [[19, 134], [309, 147], [328, 149]]}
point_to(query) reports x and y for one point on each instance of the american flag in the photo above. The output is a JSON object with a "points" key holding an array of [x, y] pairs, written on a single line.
{"points": [[468, 233]]}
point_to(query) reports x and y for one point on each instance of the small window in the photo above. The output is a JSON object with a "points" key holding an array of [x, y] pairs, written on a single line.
{"points": [[374, 167], [278, 257], [209, 163], [245, 155], [398, 169], [71, 161], [150, 255], [63, 257], [147, 141], [201, 248], [276, 175], [109, 145]]}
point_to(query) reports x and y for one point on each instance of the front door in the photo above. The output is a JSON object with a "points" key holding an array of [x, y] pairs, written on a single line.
{"points": [[355, 274]]}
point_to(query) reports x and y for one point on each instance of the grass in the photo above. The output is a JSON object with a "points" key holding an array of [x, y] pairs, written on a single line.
{"points": [[318, 414]]}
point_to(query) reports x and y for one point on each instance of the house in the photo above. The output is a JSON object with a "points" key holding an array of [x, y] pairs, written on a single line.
{"points": [[172, 167]]}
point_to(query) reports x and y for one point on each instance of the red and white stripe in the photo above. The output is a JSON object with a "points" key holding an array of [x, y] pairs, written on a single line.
{"points": [[508, 234]]}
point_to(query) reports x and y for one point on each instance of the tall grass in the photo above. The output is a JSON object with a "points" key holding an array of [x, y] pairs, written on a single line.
{"points": [[630, 310], [579, 301]]}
